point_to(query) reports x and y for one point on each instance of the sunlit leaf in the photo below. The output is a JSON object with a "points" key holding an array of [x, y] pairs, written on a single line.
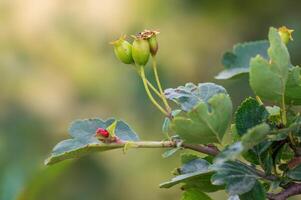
{"points": [[268, 77]]}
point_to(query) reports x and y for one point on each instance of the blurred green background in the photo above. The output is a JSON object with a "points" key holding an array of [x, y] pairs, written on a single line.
{"points": [[56, 65]]}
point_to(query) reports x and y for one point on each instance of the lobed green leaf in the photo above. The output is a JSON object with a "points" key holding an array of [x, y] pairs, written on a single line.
{"points": [[249, 114], [191, 95], [84, 141], [268, 77], [237, 62], [205, 123]]}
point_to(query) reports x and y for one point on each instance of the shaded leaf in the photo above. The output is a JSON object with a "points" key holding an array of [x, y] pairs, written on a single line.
{"points": [[191, 95], [249, 114], [268, 77], [194, 194], [237, 177], [206, 122], [193, 174], [231, 152], [257, 193], [189, 171], [293, 87], [295, 173], [255, 136], [237, 61]]}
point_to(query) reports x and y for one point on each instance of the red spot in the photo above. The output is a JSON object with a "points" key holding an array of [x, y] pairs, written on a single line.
{"points": [[102, 132]]}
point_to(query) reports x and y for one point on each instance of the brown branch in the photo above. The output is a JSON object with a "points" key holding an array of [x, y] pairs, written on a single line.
{"points": [[209, 149], [214, 151], [292, 190]]}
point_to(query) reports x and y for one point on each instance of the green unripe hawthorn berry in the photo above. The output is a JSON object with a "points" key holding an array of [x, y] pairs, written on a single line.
{"points": [[153, 45], [285, 34], [150, 35], [140, 51], [123, 50]]}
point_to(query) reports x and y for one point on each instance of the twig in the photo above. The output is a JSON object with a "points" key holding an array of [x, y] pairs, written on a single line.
{"points": [[209, 149], [292, 190]]}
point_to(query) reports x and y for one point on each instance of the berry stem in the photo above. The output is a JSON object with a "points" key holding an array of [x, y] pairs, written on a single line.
{"points": [[153, 89], [150, 85], [150, 96], [154, 62]]}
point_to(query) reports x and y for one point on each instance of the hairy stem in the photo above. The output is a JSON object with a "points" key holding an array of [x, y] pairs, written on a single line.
{"points": [[154, 61], [150, 96]]}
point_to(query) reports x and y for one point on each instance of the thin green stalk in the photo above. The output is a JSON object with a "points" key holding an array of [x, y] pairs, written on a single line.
{"points": [[150, 96], [150, 85], [153, 89], [154, 62]]}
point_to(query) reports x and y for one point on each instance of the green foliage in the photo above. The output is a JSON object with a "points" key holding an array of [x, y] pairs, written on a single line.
{"points": [[84, 140], [293, 86], [237, 177], [237, 61], [194, 194], [268, 77], [190, 95], [249, 114], [208, 114], [195, 169], [258, 192], [295, 173], [267, 137], [255, 135]]}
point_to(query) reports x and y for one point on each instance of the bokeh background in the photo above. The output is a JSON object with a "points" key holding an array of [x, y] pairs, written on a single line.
{"points": [[56, 65]]}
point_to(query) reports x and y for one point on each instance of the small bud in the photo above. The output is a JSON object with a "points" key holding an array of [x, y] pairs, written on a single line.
{"points": [[140, 51], [101, 132], [152, 40], [285, 34], [123, 50]]}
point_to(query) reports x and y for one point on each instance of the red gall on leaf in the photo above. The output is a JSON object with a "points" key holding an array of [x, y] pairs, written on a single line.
{"points": [[101, 132]]}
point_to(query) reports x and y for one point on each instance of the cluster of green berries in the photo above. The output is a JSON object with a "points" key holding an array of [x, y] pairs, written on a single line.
{"points": [[145, 44]]}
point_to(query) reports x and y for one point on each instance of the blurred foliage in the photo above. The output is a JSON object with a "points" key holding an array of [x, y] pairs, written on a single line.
{"points": [[56, 65]]}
